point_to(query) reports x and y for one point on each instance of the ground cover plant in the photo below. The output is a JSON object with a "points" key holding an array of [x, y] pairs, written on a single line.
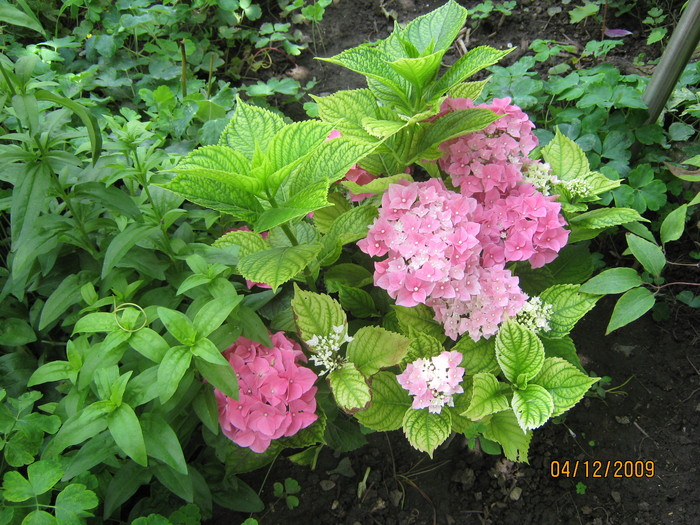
{"points": [[177, 357]]}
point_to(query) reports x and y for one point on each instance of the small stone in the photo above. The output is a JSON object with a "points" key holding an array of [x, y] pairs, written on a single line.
{"points": [[395, 497], [616, 496], [515, 493], [554, 10], [327, 484], [697, 407], [643, 506], [478, 496], [465, 477], [586, 510], [335, 504], [380, 504], [623, 420], [625, 350]]}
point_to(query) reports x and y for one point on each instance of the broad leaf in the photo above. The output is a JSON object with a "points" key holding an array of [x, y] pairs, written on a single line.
{"points": [[479, 356], [532, 406], [569, 305], [349, 388], [277, 265], [488, 396], [251, 127], [389, 404], [519, 352], [612, 280], [426, 431], [674, 224], [126, 431], [504, 429], [567, 159], [248, 242], [374, 348], [631, 306], [605, 217], [649, 254], [565, 383]]}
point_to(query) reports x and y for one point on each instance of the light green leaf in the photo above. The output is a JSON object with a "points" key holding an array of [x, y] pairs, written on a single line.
{"points": [[474, 61], [389, 404], [470, 90], [649, 254], [222, 164], [149, 344], [374, 348], [426, 431], [519, 352], [220, 375], [126, 431], [567, 159], [53, 371], [566, 384], [613, 280], [479, 356], [311, 198], [277, 265], [178, 325], [605, 217], [352, 225], [295, 141], [630, 307], [171, 371], [216, 195], [97, 322], [419, 317], [569, 305], [488, 396], [379, 185], [251, 127], [419, 71], [532, 406], [382, 128], [39, 517], [422, 346], [162, 442], [674, 224], [349, 388], [345, 110], [438, 29], [563, 348], [248, 242], [357, 301], [16, 488], [316, 314], [73, 502], [11, 15]]}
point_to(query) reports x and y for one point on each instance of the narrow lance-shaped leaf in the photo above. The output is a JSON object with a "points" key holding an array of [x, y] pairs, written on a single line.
{"points": [[649, 254], [631, 306], [612, 280]]}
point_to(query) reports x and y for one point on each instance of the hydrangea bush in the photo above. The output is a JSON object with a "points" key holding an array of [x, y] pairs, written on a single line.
{"points": [[420, 249]]}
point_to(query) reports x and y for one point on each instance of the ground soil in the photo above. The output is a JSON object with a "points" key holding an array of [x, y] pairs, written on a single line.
{"points": [[650, 413]]}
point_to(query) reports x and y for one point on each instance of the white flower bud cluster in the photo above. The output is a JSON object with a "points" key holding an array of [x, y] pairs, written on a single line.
{"points": [[326, 349], [535, 315], [540, 175], [578, 188]]}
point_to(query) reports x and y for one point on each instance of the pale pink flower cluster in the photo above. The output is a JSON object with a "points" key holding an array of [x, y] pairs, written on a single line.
{"points": [[449, 250], [277, 396], [432, 382]]}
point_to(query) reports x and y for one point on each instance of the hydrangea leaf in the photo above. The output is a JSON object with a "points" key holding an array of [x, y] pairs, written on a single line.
{"points": [[470, 90], [216, 195], [519, 352], [596, 183], [612, 280], [532, 406], [420, 70], [567, 159], [565, 383], [419, 317], [248, 242], [389, 404], [379, 185], [488, 396], [347, 274], [631, 306], [382, 128], [563, 348], [454, 124], [349, 388], [436, 29], [222, 164], [348, 227], [569, 305], [345, 111], [316, 314], [504, 429], [251, 127], [474, 61], [357, 301], [296, 140], [605, 217], [324, 218], [422, 346], [479, 356], [311, 198], [276, 266], [649, 254], [426, 431], [374, 348]]}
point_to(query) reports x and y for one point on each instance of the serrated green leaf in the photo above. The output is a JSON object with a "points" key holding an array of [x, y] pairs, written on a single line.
{"points": [[251, 127], [296, 140], [248, 242], [324, 218], [488, 396], [277, 265], [357, 301], [519, 352], [674, 224], [426, 431], [379, 185], [347, 274], [479, 356], [436, 29], [613, 280], [345, 110], [605, 217], [650, 255], [566, 384], [422, 346], [316, 314], [532, 406], [222, 164], [349, 388], [631, 306], [374, 348], [563, 348], [568, 305], [311, 198], [567, 159], [389, 404], [419, 71], [352, 225], [470, 90], [474, 61]]}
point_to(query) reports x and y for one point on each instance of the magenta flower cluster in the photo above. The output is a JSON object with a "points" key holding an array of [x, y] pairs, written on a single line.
{"points": [[433, 382], [449, 250], [277, 396]]}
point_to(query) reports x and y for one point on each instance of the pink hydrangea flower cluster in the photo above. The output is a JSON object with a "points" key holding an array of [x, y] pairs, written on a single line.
{"points": [[277, 396], [449, 250], [433, 382]]}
